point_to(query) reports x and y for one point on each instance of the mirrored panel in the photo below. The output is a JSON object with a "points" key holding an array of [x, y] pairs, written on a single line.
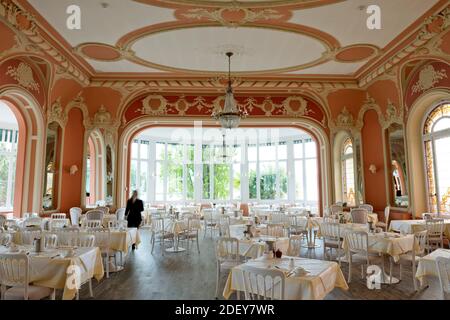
{"points": [[359, 172], [52, 159], [109, 175], [396, 154]]}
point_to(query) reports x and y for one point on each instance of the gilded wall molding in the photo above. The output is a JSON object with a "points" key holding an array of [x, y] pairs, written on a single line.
{"points": [[369, 104], [56, 113]]}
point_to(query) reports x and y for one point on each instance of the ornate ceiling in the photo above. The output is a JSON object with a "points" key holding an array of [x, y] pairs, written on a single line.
{"points": [[271, 38]]}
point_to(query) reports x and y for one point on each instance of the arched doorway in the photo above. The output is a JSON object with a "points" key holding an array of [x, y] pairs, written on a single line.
{"points": [[27, 183], [318, 134], [95, 173]]}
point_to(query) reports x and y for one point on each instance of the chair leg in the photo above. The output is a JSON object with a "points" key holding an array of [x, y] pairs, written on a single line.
{"points": [[414, 276], [362, 271], [349, 258], [107, 266], [217, 280], [53, 295], [390, 270], [91, 292], [78, 295], [198, 246], [153, 242], [401, 271]]}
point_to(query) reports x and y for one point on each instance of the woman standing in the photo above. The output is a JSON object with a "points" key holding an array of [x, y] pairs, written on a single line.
{"points": [[133, 212]]}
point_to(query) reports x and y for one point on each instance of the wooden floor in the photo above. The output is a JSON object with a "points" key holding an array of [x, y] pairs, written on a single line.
{"points": [[192, 277]]}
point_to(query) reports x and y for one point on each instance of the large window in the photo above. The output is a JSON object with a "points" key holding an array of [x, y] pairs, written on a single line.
{"points": [[258, 171], [436, 136], [348, 172], [9, 136]]}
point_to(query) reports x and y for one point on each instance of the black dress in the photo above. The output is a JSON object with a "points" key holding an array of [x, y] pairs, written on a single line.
{"points": [[133, 213]]}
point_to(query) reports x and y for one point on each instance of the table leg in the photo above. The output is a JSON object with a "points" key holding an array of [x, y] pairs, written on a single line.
{"points": [[176, 248], [385, 278]]}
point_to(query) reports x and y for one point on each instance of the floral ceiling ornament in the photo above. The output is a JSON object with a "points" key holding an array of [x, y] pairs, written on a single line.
{"points": [[23, 74], [233, 16], [55, 113], [153, 105], [428, 78], [345, 118]]}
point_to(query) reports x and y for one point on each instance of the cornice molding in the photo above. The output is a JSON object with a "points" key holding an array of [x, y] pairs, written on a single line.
{"points": [[431, 29], [24, 22]]}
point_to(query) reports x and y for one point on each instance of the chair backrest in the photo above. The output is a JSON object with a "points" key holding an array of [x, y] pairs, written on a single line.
{"points": [[112, 224], [86, 240], [5, 239], [331, 231], [94, 215], [387, 213], [103, 209], [58, 224], [50, 240], [443, 267], [68, 237], [295, 243], [75, 214], [60, 216], [435, 228], [194, 223], [14, 271], [263, 284], [255, 250], [275, 230], [158, 225], [28, 236], [336, 208], [224, 226], [227, 249], [359, 216], [331, 219], [102, 238], [93, 224], [357, 242], [120, 214], [420, 242], [366, 206]]}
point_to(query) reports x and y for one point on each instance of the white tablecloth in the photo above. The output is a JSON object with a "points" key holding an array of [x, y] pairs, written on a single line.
{"points": [[413, 226], [50, 272], [322, 278], [427, 264]]}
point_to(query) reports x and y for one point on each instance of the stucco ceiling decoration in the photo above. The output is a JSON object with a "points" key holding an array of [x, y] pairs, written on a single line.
{"points": [[164, 38]]}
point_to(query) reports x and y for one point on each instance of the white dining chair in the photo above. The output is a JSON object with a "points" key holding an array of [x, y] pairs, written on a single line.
{"points": [[336, 208], [93, 224], [224, 226], [443, 268], [275, 230], [103, 209], [5, 239], [28, 236], [435, 233], [58, 216], [295, 244], [159, 233], [103, 241], [50, 240], [86, 240], [192, 232], [210, 222], [357, 251], [75, 215], [15, 279], [366, 206], [2, 222], [32, 222], [384, 224], [227, 257], [412, 258], [298, 225], [359, 216], [120, 214], [95, 215], [263, 284], [331, 234], [68, 238]]}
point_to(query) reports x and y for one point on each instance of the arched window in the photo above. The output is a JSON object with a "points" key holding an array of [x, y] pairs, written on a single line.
{"points": [[9, 136], [436, 136], [348, 172]]}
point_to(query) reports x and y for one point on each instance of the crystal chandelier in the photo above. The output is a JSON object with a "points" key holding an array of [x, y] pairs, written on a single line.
{"points": [[231, 115]]}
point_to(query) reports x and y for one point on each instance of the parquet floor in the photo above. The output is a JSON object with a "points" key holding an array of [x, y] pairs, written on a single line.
{"points": [[192, 277]]}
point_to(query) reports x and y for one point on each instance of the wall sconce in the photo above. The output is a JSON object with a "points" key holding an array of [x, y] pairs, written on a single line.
{"points": [[73, 170], [372, 169]]}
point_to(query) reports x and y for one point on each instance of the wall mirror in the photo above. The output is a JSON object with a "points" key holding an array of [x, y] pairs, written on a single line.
{"points": [[396, 165], [52, 163], [109, 175]]}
